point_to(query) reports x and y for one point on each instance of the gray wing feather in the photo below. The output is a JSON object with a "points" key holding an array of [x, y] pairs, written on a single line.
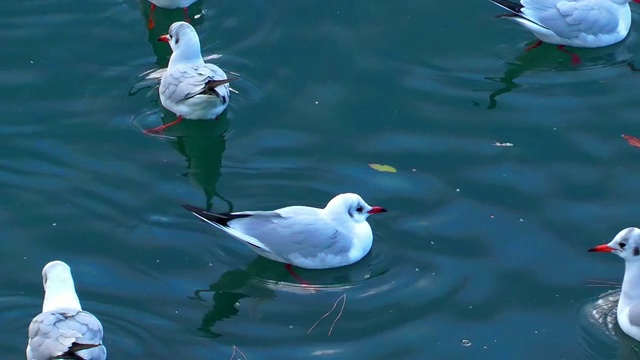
{"points": [[570, 19], [294, 230], [186, 81], [52, 333]]}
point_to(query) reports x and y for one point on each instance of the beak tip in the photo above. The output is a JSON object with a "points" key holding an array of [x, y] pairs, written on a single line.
{"points": [[377, 210], [601, 248]]}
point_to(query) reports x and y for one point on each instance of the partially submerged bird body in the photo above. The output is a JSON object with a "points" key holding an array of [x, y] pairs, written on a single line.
{"points": [[577, 23], [63, 330], [195, 91], [311, 238], [168, 4], [190, 87], [626, 244], [172, 4]]}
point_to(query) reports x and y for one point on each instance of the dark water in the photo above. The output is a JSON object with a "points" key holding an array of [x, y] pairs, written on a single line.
{"points": [[482, 255]]}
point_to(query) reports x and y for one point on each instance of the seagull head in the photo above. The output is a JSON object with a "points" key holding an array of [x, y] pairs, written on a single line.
{"points": [[59, 290], [351, 206], [626, 245], [54, 272], [184, 42]]}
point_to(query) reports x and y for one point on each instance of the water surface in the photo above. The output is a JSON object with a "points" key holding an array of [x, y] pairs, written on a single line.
{"points": [[481, 256]]}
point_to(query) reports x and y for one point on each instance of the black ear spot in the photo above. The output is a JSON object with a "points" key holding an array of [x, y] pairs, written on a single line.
{"points": [[636, 251]]}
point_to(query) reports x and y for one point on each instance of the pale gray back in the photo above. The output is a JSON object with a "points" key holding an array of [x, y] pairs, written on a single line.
{"points": [[52, 333], [185, 81], [294, 230]]}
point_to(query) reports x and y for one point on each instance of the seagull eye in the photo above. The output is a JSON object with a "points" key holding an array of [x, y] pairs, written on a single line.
{"points": [[622, 245], [359, 209]]}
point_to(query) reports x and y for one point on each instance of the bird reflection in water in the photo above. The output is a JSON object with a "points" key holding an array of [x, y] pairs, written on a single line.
{"points": [[202, 143], [544, 60], [162, 19], [263, 279], [235, 285]]}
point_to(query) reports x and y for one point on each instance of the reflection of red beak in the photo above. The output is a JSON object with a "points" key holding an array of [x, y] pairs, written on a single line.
{"points": [[164, 38], [602, 248], [376, 210]]}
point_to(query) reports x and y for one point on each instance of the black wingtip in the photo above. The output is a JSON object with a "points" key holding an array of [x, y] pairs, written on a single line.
{"points": [[193, 209], [201, 213], [212, 84], [221, 218], [73, 349], [218, 218], [515, 7]]}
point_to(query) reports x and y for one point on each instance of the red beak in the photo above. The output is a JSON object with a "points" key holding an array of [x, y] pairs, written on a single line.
{"points": [[602, 248], [378, 209], [165, 38]]}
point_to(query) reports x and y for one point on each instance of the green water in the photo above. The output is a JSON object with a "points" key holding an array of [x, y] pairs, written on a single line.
{"points": [[483, 246]]}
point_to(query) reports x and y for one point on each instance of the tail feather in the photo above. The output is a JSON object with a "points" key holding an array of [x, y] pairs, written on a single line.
{"points": [[218, 218], [71, 354], [221, 221], [513, 7], [212, 84]]}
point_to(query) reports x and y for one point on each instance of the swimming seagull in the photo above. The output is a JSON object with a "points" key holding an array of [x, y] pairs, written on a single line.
{"points": [[168, 4], [190, 88], [577, 23], [627, 245], [63, 330], [307, 237]]}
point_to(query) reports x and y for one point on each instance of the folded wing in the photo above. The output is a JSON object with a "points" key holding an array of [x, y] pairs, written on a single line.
{"points": [[294, 231], [53, 334], [186, 81], [571, 19]]}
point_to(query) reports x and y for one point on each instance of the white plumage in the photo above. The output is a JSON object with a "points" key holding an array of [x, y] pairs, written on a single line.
{"points": [[190, 88], [577, 23], [63, 328], [308, 237]]}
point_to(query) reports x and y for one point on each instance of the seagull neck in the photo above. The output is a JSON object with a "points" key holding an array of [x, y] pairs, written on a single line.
{"points": [[338, 218], [188, 53], [62, 296], [631, 281]]}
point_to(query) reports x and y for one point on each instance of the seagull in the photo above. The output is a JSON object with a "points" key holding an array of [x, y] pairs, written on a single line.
{"points": [[190, 88], [627, 245], [577, 23], [168, 4], [63, 330], [306, 237]]}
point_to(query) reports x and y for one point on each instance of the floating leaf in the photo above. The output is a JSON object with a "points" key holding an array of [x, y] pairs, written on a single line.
{"points": [[632, 140], [383, 168]]}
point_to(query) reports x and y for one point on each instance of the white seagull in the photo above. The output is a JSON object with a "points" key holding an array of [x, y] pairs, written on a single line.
{"points": [[307, 237], [190, 88], [577, 23], [627, 245], [169, 4], [63, 330]]}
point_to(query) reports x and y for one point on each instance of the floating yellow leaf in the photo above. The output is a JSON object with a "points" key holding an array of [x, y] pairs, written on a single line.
{"points": [[383, 168]]}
